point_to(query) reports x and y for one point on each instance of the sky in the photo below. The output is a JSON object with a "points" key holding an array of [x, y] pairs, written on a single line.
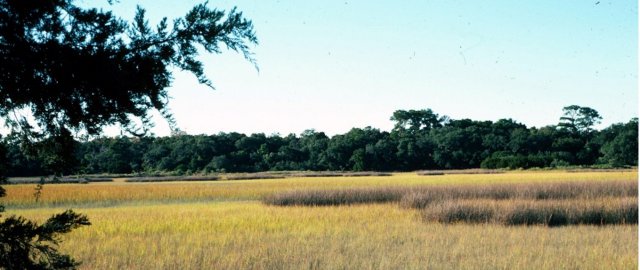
{"points": [[335, 65]]}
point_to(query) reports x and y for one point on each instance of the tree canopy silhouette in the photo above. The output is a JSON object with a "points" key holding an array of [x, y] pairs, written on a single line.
{"points": [[77, 69], [82, 69], [579, 119]]}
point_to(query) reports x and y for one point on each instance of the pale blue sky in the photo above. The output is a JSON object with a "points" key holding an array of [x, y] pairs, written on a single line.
{"points": [[334, 65]]}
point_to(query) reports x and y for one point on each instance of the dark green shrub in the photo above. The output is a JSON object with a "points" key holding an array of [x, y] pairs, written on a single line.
{"points": [[27, 245]]}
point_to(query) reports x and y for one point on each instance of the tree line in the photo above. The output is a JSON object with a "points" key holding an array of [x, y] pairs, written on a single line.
{"points": [[420, 139]]}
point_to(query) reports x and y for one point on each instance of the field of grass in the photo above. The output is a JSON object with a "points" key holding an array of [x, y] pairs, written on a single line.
{"points": [[550, 203], [423, 195], [224, 225], [118, 193]]}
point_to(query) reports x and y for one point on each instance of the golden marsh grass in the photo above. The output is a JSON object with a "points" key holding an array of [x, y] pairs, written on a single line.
{"points": [[223, 225], [115, 193], [250, 235]]}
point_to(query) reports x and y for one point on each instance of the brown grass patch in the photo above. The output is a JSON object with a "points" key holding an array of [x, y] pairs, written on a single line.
{"points": [[422, 197], [550, 204], [336, 197], [603, 211]]}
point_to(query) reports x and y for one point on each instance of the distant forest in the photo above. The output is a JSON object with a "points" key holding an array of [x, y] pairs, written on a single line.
{"points": [[420, 140]]}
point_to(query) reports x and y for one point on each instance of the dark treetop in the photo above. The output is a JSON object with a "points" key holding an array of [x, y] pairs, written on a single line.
{"points": [[82, 69]]}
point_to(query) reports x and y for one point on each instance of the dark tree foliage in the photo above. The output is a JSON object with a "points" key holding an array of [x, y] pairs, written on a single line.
{"points": [[27, 245], [416, 120], [579, 119], [456, 144], [460, 144], [76, 70], [82, 69], [620, 148]]}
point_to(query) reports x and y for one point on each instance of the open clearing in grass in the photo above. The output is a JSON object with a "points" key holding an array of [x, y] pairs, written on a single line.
{"points": [[250, 235]]}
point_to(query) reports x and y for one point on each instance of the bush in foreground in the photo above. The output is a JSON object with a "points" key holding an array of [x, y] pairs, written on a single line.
{"points": [[27, 245]]}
